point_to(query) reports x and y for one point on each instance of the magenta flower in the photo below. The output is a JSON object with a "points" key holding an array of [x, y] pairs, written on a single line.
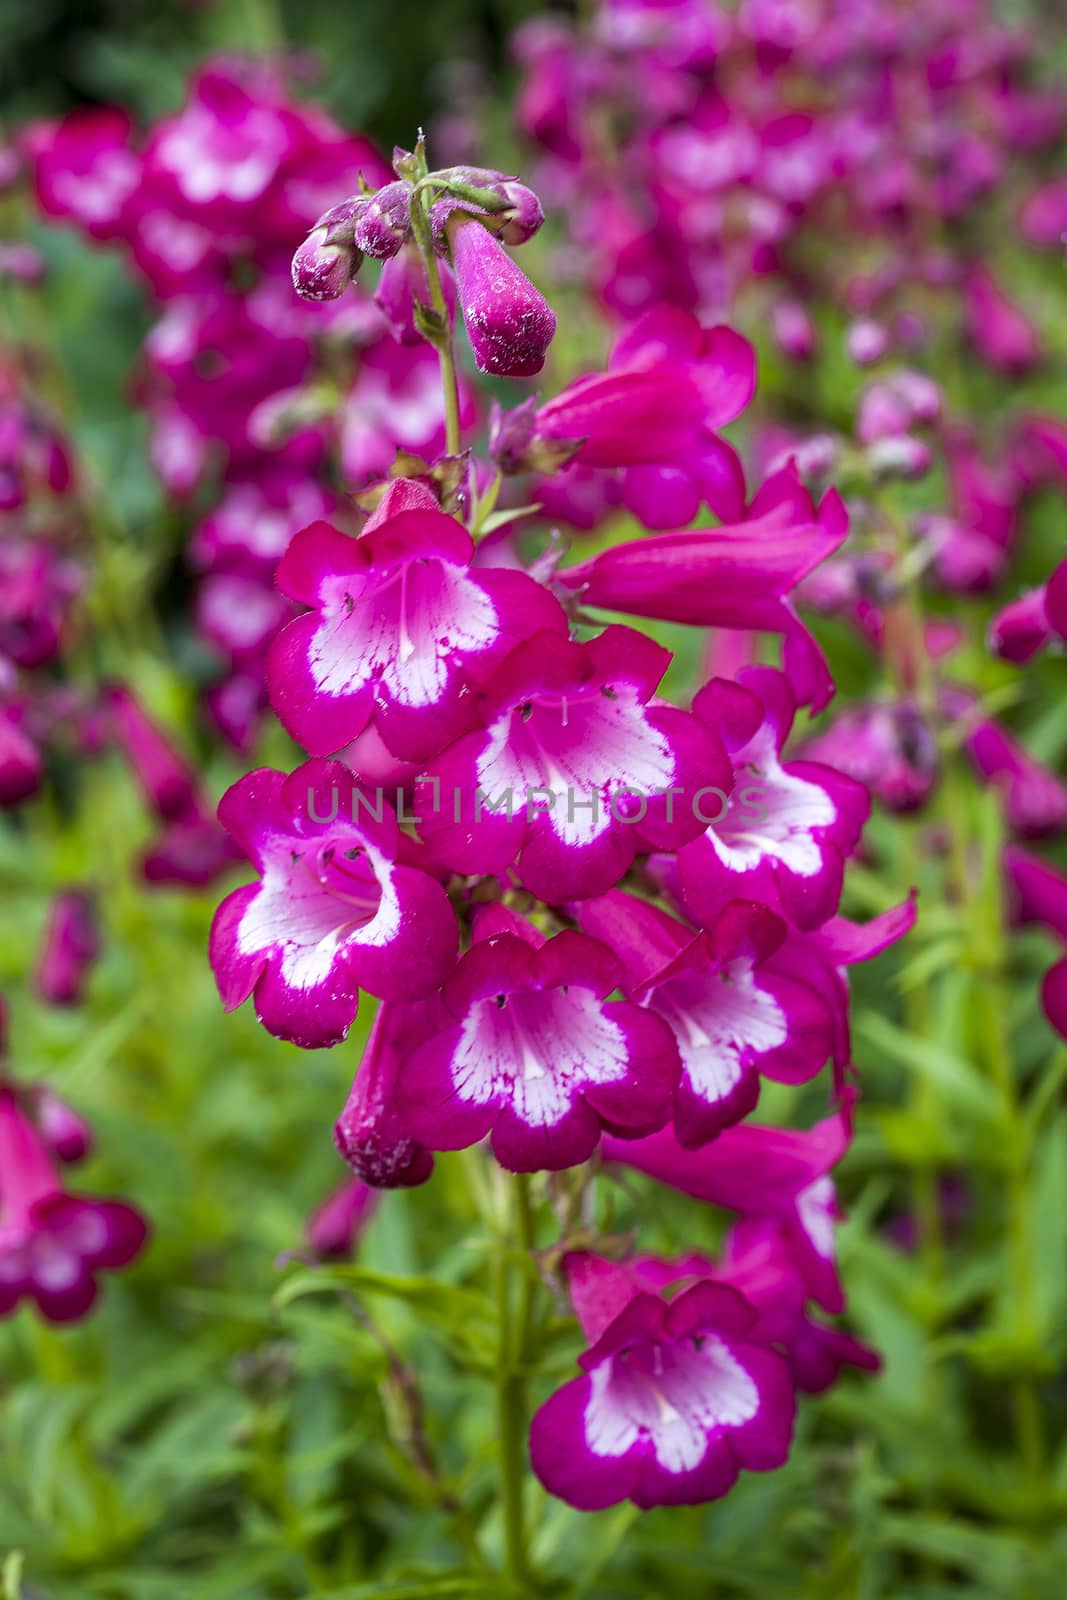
{"points": [[70, 949], [334, 1228], [370, 1133], [401, 628], [403, 285], [733, 1016], [885, 745], [655, 413], [787, 828], [509, 323], [752, 1168], [333, 911], [21, 762], [535, 1054], [52, 1244], [735, 576], [574, 770], [84, 168], [676, 1397], [166, 781], [1035, 798], [1021, 629], [999, 330], [67, 1135]]}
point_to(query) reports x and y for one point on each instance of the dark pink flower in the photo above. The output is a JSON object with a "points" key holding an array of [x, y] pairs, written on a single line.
{"points": [[335, 1227], [670, 386], [675, 1399], [534, 1053], [70, 949], [737, 576], [167, 782], [53, 1244], [334, 909], [84, 168], [1021, 630], [573, 770], [733, 1016], [787, 829], [371, 1133], [401, 628], [509, 323], [998, 329], [886, 745]]}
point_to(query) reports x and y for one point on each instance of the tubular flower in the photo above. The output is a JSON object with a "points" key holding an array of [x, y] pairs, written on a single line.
{"points": [[334, 909], [401, 627], [536, 1055], [574, 769], [675, 1399], [53, 1244]]}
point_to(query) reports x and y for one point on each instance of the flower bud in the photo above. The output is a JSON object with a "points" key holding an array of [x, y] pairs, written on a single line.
{"points": [[70, 949], [334, 1228], [509, 323], [68, 1136], [524, 216], [323, 271], [402, 285], [384, 222], [369, 1133], [867, 341]]}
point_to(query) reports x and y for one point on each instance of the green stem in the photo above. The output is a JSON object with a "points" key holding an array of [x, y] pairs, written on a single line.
{"points": [[991, 957], [515, 1326], [441, 337]]}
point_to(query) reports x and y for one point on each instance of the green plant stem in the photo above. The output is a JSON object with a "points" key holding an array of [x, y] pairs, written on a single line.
{"points": [[990, 960], [515, 1327], [441, 339]]}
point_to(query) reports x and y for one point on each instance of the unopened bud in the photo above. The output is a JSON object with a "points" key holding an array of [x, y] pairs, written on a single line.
{"points": [[525, 214], [385, 221], [323, 271]]}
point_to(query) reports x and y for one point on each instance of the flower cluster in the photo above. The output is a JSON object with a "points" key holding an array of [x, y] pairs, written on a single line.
{"points": [[53, 1243], [470, 213], [594, 921], [695, 147], [261, 406]]}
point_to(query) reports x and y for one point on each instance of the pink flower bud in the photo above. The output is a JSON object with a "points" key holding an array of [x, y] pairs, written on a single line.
{"points": [[525, 216], [384, 222], [166, 781], [323, 271], [793, 330], [335, 1227], [20, 762], [509, 323], [403, 284], [68, 1136], [866, 342], [70, 950]]}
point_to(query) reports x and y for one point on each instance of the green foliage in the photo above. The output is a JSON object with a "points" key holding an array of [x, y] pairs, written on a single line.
{"points": [[235, 1424]]}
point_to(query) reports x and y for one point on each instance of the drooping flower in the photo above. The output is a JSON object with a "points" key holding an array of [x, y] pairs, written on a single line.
{"points": [[334, 910], [509, 322], [734, 576], [787, 829], [574, 769], [70, 948], [335, 1226], [400, 628], [53, 1244], [371, 1134], [676, 1397], [655, 414], [733, 1016], [535, 1054]]}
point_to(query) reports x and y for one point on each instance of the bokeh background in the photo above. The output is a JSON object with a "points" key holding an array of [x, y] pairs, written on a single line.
{"points": [[199, 1437]]}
